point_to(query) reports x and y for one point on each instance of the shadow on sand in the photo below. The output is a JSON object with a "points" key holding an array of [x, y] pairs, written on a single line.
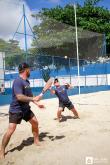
{"points": [[65, 118], [3, 114], [29, 141]]}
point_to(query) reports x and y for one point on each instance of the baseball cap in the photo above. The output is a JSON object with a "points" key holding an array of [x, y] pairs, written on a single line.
{"points": [[55, 80], [23, 66]]}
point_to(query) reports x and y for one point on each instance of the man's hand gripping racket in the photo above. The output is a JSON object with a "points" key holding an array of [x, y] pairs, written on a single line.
{"points": [[39, 97], [46, 87]]}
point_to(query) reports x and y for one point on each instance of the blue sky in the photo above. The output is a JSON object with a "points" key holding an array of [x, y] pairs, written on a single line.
{"points": [[39, 4]]}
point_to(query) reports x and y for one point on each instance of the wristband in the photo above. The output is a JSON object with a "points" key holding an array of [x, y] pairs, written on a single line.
{"points": [[50, 88], [41, 94]]}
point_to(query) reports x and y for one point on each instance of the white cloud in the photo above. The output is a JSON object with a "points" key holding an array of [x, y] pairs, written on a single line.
{"points": [[11, 12], [22, 42]]}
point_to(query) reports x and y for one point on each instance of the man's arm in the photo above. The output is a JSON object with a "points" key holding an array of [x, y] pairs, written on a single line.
{"points": [[39, 105], [23, 98], [69, 86], [18, 91], [52, 91], [35, 99]]}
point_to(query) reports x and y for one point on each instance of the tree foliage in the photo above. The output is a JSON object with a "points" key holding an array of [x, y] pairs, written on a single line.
{"points": [[91, 2], [13, 52], [90, 17]]}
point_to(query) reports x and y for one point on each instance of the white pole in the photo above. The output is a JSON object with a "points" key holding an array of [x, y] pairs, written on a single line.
{"points": [[77, 47]]}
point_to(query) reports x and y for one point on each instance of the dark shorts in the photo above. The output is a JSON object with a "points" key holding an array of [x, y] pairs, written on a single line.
{"points": [[69, 105], [17, 117]]}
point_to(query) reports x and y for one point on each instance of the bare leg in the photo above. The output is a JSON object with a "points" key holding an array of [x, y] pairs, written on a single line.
{"points": [[6, 139], [59, 116], [35, 130], [76, 116]]}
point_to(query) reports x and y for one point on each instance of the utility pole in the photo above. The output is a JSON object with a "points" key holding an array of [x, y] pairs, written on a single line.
{"points": [[25, 34], [77, 48]]}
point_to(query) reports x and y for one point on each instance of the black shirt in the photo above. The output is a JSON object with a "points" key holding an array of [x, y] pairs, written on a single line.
{"points": [[61, 93], [20, 86]]}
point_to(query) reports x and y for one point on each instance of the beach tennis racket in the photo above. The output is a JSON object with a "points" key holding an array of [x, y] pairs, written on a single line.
{"points": [[46, 74], [47, 86]]}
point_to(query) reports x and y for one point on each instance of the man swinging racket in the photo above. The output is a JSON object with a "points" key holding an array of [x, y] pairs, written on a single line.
{"points": [[64, 101], [20, 108]]}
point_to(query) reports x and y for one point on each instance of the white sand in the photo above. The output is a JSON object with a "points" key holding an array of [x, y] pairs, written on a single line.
{"points": [[65, 143]]}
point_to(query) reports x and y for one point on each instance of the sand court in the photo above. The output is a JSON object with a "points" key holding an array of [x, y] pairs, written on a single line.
{"points": [[72, 141]]}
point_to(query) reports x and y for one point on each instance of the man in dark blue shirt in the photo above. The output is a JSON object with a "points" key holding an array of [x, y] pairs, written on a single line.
{"points": [[20, 108], [64, 101]]}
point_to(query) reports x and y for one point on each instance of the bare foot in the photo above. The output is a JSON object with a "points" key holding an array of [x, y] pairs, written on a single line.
{"points": [[60, 119], [2, 154], [37, 143]]}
